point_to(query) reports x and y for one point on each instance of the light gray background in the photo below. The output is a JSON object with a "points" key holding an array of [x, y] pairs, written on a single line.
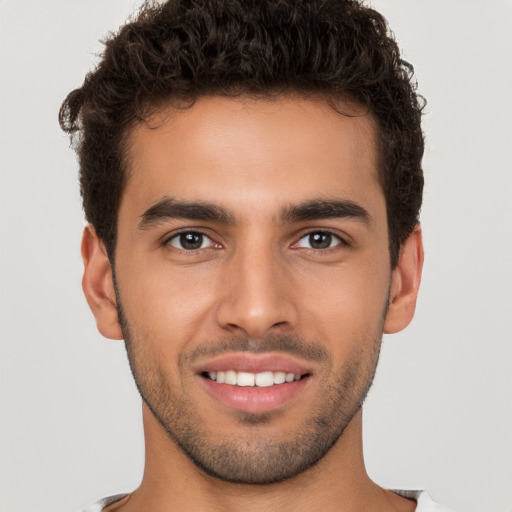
{"points": [[439, 416]]}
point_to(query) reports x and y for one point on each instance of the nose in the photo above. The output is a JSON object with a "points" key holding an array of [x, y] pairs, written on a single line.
{"points": [[257, 297]]}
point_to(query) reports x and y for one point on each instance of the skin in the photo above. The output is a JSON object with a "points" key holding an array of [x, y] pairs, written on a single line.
{"points": [[255, 278]]}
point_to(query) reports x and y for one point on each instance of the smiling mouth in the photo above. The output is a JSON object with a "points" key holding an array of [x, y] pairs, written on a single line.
{"points": [[248, 379]]}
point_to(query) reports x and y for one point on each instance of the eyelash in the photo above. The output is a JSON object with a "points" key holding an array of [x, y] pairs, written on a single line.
{"points": [[341, 241], [213, 245], [177, 236]]}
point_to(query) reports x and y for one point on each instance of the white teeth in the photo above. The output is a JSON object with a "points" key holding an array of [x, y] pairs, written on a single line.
{"points": [[230, 377], [265, 379], [279, 377], [246, 379]]}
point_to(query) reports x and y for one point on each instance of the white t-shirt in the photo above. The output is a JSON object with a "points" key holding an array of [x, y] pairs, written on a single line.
{"points": [[423, 500], [425, 503]]}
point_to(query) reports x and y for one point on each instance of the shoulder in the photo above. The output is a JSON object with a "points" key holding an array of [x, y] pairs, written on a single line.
{"points": [[105, 502], [424, 502]]}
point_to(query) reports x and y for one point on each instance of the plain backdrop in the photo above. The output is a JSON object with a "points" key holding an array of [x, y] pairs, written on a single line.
{"points": [[440, 413]]}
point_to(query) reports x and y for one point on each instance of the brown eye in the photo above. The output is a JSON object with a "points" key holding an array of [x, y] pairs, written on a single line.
{"points": [[190, 241], [319, 240]]}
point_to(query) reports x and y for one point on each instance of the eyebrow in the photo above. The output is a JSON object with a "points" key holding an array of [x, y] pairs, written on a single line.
{"points": [[170, 208], [325, 209]]}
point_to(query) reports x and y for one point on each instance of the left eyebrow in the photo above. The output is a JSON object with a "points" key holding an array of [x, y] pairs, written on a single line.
{"points": [[325, 209], [170, 208]]}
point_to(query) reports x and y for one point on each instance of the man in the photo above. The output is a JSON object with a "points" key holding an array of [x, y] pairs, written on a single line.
{"points": [[251, 174]]}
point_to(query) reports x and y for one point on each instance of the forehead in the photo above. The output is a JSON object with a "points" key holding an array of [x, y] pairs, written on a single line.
{"points": [[238, 149]]}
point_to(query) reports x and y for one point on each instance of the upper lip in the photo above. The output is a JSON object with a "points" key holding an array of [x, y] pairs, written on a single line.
{"points": [[253, 363]]}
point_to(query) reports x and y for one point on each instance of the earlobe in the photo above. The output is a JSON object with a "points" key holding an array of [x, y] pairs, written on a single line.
{"points": [[98, 285], [405, 284]]}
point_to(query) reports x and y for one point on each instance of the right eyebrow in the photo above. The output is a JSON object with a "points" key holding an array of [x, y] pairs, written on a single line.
{"points": [[170, 208], [318, 209]]}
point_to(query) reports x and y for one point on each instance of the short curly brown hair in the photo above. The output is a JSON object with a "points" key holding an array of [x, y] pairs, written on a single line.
{"points": [[184, 49]]}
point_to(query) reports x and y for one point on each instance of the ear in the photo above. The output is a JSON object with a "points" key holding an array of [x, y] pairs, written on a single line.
{"points": [[405, 283], [98, 285]]}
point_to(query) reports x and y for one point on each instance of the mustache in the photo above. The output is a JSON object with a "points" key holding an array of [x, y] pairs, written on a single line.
{"points": [[293, 345]]}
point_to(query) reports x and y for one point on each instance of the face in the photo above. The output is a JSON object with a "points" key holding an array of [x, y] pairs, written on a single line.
{"points": [[253, 279]]}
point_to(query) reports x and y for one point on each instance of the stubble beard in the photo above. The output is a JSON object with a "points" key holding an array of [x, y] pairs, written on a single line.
{"points": [[255, 458]]}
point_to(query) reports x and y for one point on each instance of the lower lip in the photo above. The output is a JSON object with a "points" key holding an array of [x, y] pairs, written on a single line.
{"points": [[255, 399]]}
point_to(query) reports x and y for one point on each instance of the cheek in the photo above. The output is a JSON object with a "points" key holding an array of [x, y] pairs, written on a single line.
{"points": [[169, 302], [347, 305]]}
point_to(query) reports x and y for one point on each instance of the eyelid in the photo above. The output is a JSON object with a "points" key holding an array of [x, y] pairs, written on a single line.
{"points": [[342, 239], [166, 240]]}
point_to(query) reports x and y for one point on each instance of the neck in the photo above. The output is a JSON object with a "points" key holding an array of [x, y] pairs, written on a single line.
{"points": [[337, 482]]}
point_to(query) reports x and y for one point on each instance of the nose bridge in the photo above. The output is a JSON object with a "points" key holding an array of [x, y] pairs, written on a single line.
{"points": [[257, 299]]}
